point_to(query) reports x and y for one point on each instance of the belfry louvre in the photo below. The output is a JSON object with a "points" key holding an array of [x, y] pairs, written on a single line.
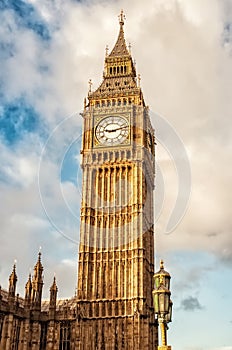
{"points": [[112, 308]]}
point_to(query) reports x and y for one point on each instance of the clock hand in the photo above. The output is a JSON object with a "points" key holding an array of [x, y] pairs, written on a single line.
{"points": [[113, 130]]}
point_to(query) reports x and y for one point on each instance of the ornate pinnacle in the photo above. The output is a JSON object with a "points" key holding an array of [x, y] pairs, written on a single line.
{"points": [[90, 85], [54, 285], [121, 17], [13, 276]]}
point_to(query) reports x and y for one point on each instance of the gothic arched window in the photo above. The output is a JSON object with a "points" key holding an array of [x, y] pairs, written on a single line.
{"points": [[65, 335]]}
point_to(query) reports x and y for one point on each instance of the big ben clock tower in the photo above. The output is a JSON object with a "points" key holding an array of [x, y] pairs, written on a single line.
{"points": [[116, 252]]}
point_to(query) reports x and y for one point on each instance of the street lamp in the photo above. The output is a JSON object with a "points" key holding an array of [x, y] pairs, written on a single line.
{"points": [[162, 303]]}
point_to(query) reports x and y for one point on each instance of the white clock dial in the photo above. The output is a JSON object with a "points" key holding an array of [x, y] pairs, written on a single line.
{"points": [[112, 130]]}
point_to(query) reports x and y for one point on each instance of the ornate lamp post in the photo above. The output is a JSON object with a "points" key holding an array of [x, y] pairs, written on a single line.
{"points": [[162, 303]]}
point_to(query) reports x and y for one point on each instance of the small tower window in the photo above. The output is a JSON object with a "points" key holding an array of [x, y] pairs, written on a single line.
{"points": [[108, 103], [113, 103], [119, 102], [124, 102], [97, 104], [90, 310], [111, 71], [97, 310], [117, 69], [121, 69], [114, 70], [116, 308], [110, 309], [125, 70]]}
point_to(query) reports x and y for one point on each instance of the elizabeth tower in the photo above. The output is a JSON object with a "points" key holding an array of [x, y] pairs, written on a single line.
{"points": [[116, 252]]}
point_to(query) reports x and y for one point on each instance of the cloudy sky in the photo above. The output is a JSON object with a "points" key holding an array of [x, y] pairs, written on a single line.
{"points": [[48, 52]]}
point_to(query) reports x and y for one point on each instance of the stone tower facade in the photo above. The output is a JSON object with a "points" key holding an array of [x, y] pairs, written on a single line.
{"points": [[116, 253], [113, 307]]}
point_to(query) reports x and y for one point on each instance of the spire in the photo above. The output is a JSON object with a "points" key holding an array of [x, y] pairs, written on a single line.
{"points": [[12, 282], [120, 48], [53, 297], [54, 286], [38, 269], [37, 284], [28, 289], [119, 77]]}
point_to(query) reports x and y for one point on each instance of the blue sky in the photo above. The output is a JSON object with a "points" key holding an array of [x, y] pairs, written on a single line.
{"points": [[48, 52]]}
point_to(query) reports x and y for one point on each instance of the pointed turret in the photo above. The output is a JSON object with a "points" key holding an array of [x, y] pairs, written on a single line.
{"points": [[37, 285], [12, 283], [53, 297], [53, 293], [28, 290]]}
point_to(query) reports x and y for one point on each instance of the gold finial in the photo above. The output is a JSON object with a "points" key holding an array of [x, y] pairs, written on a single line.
{"points": [[107, 50], [139, 80], [85, 103], [90, 85], [129, 47], [121, 18], [161, 264], [39, 255]]}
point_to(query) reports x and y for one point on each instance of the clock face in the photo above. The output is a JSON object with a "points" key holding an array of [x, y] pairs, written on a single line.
{"points": [[112, 130]]}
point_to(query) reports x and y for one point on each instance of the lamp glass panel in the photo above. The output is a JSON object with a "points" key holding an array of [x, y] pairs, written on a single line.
{"points": [[167, 302], [157, 282], [169, 314], [167, 282], [162, 302], [156, 303]]}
